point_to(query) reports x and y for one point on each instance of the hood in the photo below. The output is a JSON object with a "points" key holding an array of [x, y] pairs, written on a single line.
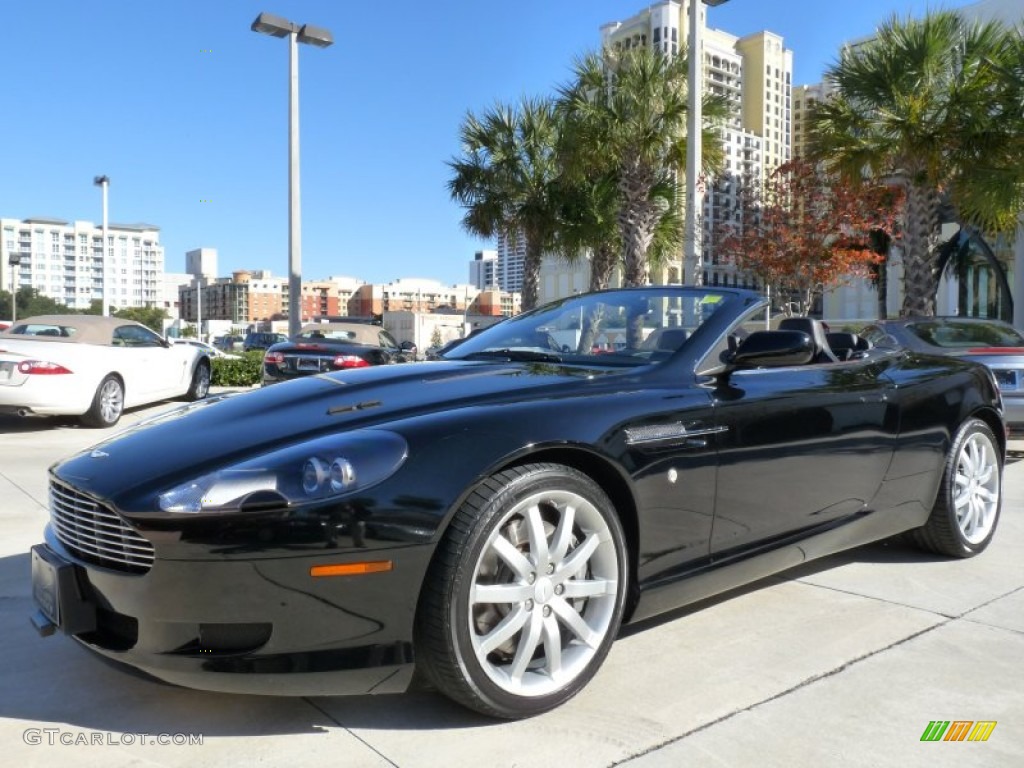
{"points": [[201, 437]]}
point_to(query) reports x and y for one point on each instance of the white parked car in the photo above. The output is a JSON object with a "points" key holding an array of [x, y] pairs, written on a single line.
{"points": [[93, 367]]}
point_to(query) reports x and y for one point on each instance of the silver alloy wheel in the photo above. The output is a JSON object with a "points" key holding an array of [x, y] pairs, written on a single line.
{"points": [[111, 401], [976, 491], [543, 593], [202, 386]]}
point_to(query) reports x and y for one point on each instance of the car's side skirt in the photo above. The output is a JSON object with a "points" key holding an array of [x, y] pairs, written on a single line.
{"points": [[713, 578]]}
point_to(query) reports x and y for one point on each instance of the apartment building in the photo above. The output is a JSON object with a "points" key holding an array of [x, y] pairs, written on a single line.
{"points": [[804, 99], [410, 295], [511, 262], [67, 261], [754, 74], [483, 269]]}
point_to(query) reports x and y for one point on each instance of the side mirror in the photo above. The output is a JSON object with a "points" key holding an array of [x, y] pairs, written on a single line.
{"points": [[407, 346]]}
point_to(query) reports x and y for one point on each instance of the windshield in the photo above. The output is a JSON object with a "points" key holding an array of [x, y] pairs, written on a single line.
{"points": [[624, 327], [954, 334]]}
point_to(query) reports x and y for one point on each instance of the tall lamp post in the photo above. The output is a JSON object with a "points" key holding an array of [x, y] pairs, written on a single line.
{"points": [[276, 26], [104, 182], [13, 261], [199, 308], [694, 247]]}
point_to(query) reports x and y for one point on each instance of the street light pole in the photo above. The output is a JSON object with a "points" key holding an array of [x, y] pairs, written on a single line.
{"points": [[294, 221], [104, 182], [275, 26], [199, 307], [14, 261], [693, 266]]}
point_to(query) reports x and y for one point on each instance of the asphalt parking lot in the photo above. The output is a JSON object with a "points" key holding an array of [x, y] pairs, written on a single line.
{"points": [[843, 662]]}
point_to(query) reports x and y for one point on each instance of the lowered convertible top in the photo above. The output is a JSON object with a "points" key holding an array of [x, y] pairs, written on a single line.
{"points": [[82, 329]]}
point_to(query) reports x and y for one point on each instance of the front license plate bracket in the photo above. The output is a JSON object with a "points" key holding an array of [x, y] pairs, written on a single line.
{"points": [[58, 595]]}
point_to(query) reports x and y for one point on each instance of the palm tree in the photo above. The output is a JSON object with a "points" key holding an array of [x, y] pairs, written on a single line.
{"points": [[926, 103], [507, 177], [626, 112]]}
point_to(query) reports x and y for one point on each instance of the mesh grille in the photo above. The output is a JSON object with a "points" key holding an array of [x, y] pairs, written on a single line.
{"points": [[93, 533]]}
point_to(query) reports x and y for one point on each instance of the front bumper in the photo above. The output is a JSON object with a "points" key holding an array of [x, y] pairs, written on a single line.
{"points": [[257, 626]]}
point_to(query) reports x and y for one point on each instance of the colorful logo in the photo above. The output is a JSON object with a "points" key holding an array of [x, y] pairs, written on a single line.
{"points": [[958, 730]]}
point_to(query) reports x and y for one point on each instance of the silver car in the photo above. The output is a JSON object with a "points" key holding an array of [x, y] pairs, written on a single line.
{"points": [[995, 343]]}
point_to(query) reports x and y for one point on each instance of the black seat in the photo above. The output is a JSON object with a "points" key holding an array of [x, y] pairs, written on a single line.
{"points": [[847, 346], [672, 339], [813, 328]]}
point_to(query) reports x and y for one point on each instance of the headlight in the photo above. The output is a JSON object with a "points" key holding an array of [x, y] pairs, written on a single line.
{"points": [[321, 469]]}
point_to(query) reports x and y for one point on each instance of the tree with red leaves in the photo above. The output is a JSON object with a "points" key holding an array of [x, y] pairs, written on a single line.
{"points": [[805, 232]]}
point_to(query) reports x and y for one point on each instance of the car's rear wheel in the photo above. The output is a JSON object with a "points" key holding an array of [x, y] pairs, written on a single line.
{"points": [[200, 382], [966, 512], [525, 594], [107, 404]]}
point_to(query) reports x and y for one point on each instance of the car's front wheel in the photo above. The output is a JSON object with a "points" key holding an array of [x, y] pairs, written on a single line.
{"points": [[107, 404], [200, 382], [966, 512], [525, 594]]}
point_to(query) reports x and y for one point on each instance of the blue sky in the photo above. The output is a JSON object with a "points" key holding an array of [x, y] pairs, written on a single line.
{"points": [[185, 109]]}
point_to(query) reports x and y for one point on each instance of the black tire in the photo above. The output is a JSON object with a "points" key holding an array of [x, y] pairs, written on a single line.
{"points": [[200, 386], [962, 523], [523, 598], [107, 404]]}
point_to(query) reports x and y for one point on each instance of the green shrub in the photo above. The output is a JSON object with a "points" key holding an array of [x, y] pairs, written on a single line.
{"points": [[242, 371]]}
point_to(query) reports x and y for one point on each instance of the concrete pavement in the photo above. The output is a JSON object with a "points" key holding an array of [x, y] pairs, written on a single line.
{"points": [[843, 662]]}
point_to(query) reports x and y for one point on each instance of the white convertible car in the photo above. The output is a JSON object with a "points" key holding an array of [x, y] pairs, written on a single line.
{"points": [[93, 367]]}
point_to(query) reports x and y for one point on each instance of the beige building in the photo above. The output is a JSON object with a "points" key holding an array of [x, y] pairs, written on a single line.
{"points": [[410, 295], [767, 81], [804, 99], [994, 279]]}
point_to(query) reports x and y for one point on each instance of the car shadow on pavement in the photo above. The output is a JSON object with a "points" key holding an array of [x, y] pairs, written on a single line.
{"points": [[55, 681], [12, 425]]}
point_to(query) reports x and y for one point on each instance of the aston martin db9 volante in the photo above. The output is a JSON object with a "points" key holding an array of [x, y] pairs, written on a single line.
{"points": [[93, 367], [490, 520]]}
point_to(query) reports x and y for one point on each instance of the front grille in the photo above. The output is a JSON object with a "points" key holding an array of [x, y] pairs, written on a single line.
{"points": [[93, 533]]}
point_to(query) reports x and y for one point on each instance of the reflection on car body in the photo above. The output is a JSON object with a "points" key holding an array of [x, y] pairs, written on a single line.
{"points": [[491, 519]]}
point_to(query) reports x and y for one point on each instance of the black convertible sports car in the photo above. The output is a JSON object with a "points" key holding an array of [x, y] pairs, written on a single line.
{"points": [[326, 347], [488, 521]]}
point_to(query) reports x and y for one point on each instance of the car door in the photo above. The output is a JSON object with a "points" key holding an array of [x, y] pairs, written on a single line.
{"points": [[150, 368], [800, 448]]}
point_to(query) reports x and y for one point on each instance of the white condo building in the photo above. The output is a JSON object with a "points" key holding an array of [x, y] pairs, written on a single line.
{"points": [[511, 260], [483, 270], [65, 261]]}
